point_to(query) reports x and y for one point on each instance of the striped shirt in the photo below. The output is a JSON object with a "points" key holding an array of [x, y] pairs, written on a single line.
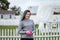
{"points": [[24, 26]]}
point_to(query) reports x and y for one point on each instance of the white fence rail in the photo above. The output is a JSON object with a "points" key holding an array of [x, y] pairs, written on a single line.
{"points": [[10, 34]]}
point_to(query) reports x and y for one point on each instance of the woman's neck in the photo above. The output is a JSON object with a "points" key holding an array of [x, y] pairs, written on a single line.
{"points": [[26, 19]]}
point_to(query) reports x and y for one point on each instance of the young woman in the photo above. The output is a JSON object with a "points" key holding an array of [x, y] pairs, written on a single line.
{"points": [[26, 27]]}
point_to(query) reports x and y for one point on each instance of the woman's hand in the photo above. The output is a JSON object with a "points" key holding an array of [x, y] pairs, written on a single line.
{"points": [[29, 32]]}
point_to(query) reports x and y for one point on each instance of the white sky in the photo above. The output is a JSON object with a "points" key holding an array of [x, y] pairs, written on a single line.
{"points": [[25, 3]]}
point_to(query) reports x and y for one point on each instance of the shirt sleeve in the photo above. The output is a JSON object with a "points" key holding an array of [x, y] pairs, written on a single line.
{"points": [[34, 29], [19, 30]]}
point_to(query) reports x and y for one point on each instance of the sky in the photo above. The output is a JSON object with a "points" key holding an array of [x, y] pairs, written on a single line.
{"points": [[25, 3]]}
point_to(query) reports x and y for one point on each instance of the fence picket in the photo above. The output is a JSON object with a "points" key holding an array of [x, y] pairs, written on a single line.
{"points": [[38, 35]]}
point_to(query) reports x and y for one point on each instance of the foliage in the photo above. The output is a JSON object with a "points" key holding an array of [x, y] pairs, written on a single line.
{"points": [[4, 5], [36, 26], [18, 10]]}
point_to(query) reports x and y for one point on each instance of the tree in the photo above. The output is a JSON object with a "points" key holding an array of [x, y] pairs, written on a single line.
{"points": [[17, 9], [4, 5]]}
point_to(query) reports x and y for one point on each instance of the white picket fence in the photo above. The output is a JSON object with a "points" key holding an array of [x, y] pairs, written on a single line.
{"points": [[10, 34]]}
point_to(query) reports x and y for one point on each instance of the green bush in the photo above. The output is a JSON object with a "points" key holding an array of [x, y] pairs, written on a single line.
{"points": [[8, 26], [36, 26]]}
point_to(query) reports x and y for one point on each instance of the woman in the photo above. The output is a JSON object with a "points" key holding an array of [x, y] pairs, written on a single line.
{"points": [[25, 25]]}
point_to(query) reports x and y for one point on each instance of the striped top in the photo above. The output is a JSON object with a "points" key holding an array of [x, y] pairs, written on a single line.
{"points": [[24, 26]]}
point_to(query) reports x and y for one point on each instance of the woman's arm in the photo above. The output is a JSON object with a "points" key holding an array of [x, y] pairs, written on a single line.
{"points": [[34, 29], [19, 30]]}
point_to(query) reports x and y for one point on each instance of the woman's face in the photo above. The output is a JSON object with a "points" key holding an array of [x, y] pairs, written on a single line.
{"points": [[27, 15]]}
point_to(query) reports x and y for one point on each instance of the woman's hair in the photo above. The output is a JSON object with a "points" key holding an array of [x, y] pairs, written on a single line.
{"points": [[24, 14]]}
